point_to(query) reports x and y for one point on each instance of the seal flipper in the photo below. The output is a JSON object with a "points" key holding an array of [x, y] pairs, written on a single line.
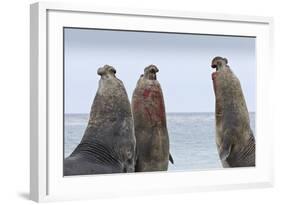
{"points": [[171, 158], [225, 151], [136, 159]]}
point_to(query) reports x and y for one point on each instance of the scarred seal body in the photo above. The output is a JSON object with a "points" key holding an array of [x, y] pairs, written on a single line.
{"points": [[150, 123], [234, 137], [108, 144]]}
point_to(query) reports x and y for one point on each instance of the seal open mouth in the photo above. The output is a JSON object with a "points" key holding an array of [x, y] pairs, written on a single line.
{"points": [[214, 71], [214, 66], [218, 63]]}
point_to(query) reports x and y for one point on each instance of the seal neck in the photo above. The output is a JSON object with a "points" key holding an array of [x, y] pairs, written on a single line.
{"points": [[96, 151]]}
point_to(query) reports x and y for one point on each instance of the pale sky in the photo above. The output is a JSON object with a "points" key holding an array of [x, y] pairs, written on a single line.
{"points": [[183, 61]]}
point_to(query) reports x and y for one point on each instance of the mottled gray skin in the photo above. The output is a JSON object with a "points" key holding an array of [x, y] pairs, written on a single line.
{"points": [[108, 144], [234, 137], [150, 123]]}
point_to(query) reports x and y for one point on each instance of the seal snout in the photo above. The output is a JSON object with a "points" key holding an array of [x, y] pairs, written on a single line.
{"points": [[106, 70], [214, 65], [150, 72], [218, 62]]}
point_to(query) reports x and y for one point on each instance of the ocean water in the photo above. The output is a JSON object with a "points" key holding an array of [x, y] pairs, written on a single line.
{"points": [[192, 139]]}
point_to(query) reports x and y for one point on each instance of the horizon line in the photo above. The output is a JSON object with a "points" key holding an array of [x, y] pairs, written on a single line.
{"points": [[166, 112]]}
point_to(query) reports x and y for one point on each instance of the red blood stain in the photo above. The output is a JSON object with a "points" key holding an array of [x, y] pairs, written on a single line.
{"points": [[151, 105], [215, 82], [214, 76], [146, 93], [156, 109]]}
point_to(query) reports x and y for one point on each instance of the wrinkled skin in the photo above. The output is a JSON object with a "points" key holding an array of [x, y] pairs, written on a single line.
{"points": [[150, 123], [108, 144], [234, 137]]}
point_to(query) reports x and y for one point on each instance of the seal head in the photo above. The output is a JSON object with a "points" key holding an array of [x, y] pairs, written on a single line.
{"points": [[219, 62], [150, 72], [106, 71]]}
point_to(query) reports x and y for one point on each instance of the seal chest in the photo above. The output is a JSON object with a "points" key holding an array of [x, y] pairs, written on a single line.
{"points": [[234, 138], [151, 133], [108, 144]]}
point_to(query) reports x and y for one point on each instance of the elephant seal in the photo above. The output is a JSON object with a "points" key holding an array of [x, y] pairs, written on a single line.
{"points": [[151, 133], [108, 144], [234, 137]]}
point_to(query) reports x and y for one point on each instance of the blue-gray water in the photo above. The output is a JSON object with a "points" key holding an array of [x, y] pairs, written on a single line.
{"points": [[192, 138]]}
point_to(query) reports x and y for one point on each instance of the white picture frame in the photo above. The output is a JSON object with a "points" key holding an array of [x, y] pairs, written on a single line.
{"points": [[46, 63]]}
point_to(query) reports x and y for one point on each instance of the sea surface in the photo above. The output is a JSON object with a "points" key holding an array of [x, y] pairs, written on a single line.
{"points": [[192, 139]]}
